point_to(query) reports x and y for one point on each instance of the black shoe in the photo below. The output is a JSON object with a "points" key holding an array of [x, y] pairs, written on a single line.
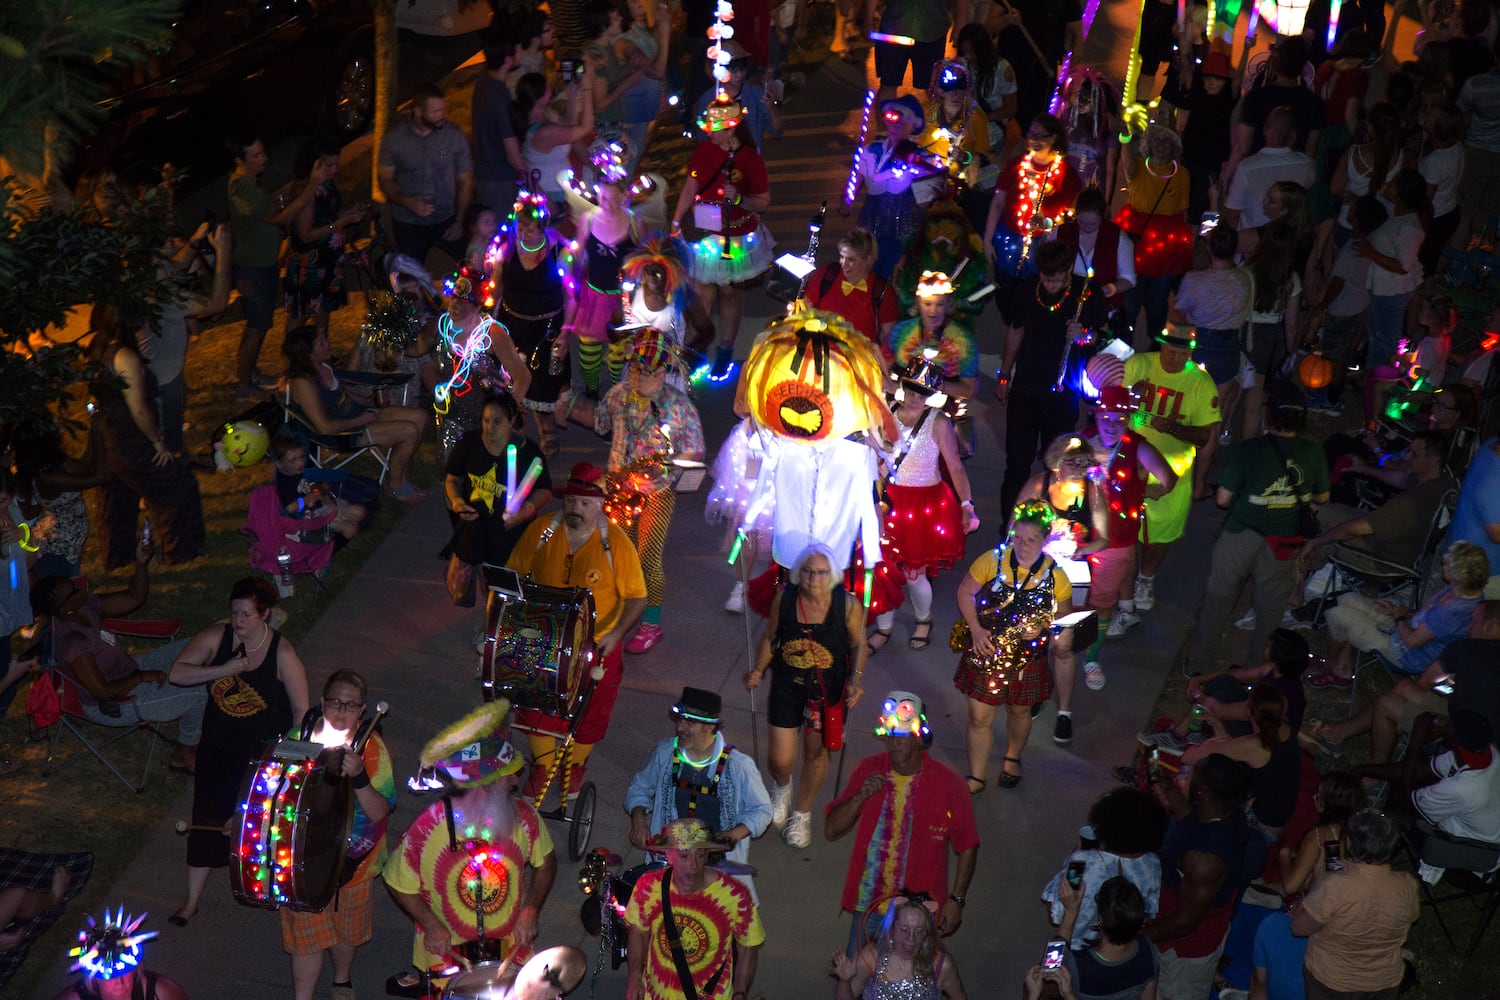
{"points": [[1037, 708], [1062, 733]]}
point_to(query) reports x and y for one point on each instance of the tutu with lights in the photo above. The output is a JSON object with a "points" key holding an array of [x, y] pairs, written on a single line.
{"points": [[749, 256], [924, 529], [735, 472]]}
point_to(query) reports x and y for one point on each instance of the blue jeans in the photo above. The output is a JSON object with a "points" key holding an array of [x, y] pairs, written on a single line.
{"points": [[1154, 293], [1384, 323]]}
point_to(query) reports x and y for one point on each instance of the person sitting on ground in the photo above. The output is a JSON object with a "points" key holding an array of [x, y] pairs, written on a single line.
{"points": [[1356, 920], [1337, 798], [1123, 962], [908, 960], [1126, 828], [300, 498], [115, 688], [1408, 640], [1225, 695], [1271, 754], [314, 389]]}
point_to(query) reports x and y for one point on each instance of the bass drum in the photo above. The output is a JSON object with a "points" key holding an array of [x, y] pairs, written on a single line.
{"points": [[293, 835], [594, 913], [537, 651]]}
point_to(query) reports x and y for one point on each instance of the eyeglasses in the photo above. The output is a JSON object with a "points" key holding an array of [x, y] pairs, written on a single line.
{"points": [[342, 706]]}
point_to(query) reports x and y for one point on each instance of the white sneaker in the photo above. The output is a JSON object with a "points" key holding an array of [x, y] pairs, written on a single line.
{"points": [[1145, 592], [798, 830], [781, 804], [735, 602], [1247, 623], [1093, 675], [1122, 622]]}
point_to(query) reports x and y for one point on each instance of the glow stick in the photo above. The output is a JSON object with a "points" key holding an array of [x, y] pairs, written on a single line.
{"points": [[739, 543], [864, 133], [510, 472], [1132, 109], [1055, 107], [880, 36], [1333, 21], [516, 498], [869, 585], [1089, 10]]}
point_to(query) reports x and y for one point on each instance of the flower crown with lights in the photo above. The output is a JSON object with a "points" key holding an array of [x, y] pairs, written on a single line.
{"points": [[607, 161], [1035, 512], [932, 284], [903, 714], [531, 202], [472, 285], [111, 948]]}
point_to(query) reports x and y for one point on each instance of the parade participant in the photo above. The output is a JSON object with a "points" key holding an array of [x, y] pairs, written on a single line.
{"points": [[581, 547], [349, 921], [911, 31], [885, 170], [735, 473], [934, 329], [907, 961], [850, 289], [1102, 252], [257, 687], [607, 237], [459, 869], [1127, 464], [108, 956], [926, 519], [759, 111], [719, 913], [662, 300], [1033, 194], [697, 774], [1055, 317], [727, 190], [994, 84], [487, 521], [948, 242], [1156, 220], [1180, 409], [1009, 599], [884, 796], [814, 644], [1093, 128], [537, 305], [650, 424], [956, 132]]}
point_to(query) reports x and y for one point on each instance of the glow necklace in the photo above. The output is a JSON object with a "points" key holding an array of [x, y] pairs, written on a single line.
{"points": [[540, 246], [690, 762], [1153, 173]]}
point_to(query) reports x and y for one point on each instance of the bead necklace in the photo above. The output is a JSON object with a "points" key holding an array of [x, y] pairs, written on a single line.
{"points": [[1054, 306]]}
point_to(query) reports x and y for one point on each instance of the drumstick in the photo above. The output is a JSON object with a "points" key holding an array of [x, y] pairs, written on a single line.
{"points": [[182, 826]]}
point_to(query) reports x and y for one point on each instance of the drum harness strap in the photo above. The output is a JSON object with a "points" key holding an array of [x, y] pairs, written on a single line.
{"points": [[609, 556], [693, 788], [674, 941]]}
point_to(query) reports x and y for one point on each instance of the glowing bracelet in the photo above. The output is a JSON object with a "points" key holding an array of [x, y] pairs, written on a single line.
{"points": [[27, 545]]}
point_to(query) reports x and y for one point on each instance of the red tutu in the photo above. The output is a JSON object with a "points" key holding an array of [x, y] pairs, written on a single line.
{"points": [[886, 593], [924, 529], [1164, 248]]}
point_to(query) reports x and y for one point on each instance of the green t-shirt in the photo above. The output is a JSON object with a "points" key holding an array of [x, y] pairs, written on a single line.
{"points": [[256, 241], [1267, 490]]}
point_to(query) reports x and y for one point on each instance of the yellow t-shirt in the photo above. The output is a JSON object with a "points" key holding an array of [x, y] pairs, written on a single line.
{"points": [[1146, 188], [613, 577], [1189, 397], [983, 570]]}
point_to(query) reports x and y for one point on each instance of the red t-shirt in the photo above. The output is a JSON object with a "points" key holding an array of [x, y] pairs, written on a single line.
{"points": [[920, 819], [748, 176], [858, 307]]}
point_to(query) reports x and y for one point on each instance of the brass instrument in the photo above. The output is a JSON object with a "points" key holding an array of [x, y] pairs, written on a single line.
{"points": [[724, 205], [624, 501], [1013, 650], [1068, 342]]}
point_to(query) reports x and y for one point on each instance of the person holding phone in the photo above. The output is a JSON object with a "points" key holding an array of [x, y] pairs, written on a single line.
{"points": [[1126, 829], [1121, 965]]}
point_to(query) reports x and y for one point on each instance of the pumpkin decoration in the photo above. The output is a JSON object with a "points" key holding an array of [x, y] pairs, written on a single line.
{"points": [[1315, 371], [812, 378]]}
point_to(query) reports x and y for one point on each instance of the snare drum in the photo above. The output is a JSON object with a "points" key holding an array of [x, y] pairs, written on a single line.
{"points": [[537, 651], [295, 813], [484, 981]]}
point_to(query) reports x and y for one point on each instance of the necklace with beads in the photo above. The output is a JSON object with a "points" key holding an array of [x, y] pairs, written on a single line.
{"points": [[265, 632], [1053, 307]]}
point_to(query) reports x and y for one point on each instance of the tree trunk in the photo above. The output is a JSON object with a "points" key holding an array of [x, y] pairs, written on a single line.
{"points": [[387, 79]]}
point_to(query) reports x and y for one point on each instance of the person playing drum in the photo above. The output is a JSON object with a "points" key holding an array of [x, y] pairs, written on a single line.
{"points": [[459, 869], [1008, 599], [581, 547], [349, 921]]}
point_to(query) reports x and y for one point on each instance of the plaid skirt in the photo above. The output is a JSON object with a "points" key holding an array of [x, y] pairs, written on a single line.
{"points": [[1027, 686], [349, 919]]}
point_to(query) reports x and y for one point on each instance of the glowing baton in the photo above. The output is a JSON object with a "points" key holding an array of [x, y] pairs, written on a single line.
{"points": [[880, 36], [869, 585], [510, 474], [739, 543], [1333, 21], [516, 498], [864, 133], [1055, 107]]}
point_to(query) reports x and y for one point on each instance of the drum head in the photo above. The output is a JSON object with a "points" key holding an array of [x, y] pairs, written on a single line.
{"points": [[486, 981], [325, 816]]}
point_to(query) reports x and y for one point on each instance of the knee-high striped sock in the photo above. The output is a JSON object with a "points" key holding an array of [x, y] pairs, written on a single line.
{"points": [[590, 359]]}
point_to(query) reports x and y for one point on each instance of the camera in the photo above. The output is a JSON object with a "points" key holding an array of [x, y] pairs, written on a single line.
{"points": [[569, 70], [1075, 874], [1053, 957]]}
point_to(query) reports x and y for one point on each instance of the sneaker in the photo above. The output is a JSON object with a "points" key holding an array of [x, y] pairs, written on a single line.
{"points": [[1062, 733], [781, 805], [647, 636], [1122, 622], [1164, 740], [1331, 409], [1246, 623], [1093, 676], [341, 992], [1145, 593], [735, 602], [798, 830], [1036, 709], [723, 362], [1289, 620]]}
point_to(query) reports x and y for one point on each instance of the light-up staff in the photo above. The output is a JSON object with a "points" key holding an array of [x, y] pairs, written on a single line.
{"points": [[864, 133]]}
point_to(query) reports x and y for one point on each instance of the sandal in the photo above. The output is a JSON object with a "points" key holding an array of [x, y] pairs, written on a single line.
{"points": [[981, 782], [925, 639], [1006, 779], [1313, 739], [883, 634], [1327, 678]]}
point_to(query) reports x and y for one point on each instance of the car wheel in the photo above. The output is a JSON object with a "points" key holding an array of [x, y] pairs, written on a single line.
{"points": [[353, 97]]}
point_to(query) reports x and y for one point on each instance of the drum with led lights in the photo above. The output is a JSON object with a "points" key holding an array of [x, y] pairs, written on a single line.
{"points": [[538, 650], [296, 810]]}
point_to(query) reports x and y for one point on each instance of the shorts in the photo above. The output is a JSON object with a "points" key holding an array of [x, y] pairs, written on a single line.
{"points": [[1218, 352], [1266, 347], [1109, 569], [259, 288], [787, 705], [349, 919], [1481, 175], [891, 60], [1428, 701]]}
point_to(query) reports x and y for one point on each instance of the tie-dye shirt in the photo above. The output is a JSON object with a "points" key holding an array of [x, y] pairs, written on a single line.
{"points": [[709, 923], [958, 354]]}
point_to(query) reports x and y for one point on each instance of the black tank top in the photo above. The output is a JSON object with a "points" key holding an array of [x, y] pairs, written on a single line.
{"points": [[605, 260], [808, 652], [1275, 785], [535, 292], [244, 710]]}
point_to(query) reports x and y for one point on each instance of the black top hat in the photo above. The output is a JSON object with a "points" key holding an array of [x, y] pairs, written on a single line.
{"points": [[698, 705]]}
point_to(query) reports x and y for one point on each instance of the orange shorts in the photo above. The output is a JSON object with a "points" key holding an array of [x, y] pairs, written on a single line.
{"points": [[349, 919]]}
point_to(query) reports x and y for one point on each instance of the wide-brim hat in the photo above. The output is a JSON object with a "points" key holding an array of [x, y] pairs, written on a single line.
{"points": [[687, 834], [908, 106], [722, 114], [698, 705], [585, 480], [476, 749], [1177, 336]]}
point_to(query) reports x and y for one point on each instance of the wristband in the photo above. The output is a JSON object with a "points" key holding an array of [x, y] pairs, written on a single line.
{"points": [[360, 780], [1001, 377], [960, 900], [966, 503]]}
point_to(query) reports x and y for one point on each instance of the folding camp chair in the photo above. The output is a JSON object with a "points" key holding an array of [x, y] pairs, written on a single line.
{"points": [[1471, 870], [335, 451]]}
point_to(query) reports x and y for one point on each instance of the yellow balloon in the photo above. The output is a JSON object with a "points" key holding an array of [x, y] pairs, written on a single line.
{"points": [[245, 443]]}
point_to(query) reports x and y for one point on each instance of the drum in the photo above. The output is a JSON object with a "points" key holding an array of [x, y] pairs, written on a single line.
{"points": [[486, 981], [537, 651], [296, 810], [594, 914]]}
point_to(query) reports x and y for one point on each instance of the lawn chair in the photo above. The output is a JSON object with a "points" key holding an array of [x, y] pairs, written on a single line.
{"points": [[267, 527], [1471, 870], [335, 451]]}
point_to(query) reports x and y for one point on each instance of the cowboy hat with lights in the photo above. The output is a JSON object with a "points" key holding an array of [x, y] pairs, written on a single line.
{"points": [[933, 284], [474, 751], [1177, 337], [109, 948], [1117, 399], [902, 714], [722, 114]]}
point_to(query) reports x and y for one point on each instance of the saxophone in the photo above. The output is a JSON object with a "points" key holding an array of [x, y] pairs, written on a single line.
{"points": [[624, 500], [1013, 650]]}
